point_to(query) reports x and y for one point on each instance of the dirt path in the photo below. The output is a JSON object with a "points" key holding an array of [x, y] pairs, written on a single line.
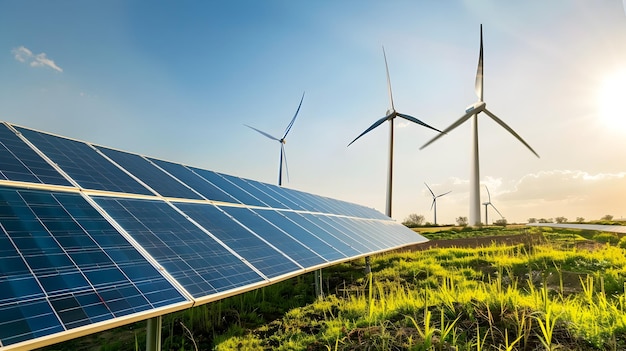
{"points": [[478, 241]]}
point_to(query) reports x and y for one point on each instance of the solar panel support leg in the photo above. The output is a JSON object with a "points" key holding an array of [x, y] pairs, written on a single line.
{"points": [[368, 265], [318, 284], [153, 334]]}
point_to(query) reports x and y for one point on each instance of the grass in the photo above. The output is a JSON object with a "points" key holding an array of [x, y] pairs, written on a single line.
{"points": [[567, 292]]}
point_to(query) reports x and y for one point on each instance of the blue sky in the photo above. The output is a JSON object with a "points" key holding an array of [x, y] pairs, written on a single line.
{"points": [[178, 81]]}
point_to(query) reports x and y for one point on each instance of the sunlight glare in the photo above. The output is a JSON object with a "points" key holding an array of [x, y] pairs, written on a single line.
{"points": [[611, 100]]}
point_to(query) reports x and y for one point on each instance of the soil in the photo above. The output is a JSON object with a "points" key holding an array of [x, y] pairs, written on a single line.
{"points": [[514, 239]]}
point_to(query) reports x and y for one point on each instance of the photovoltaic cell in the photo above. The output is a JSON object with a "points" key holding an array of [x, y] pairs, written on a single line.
{"points": [[295, 248], [326, 224], [51, 267], [83, 164], [156, 179], [257, 193], [279, 193], [228, 187], [200, 264], [259, 253], [303, 235], [319, 232], [193, 180], [19, 162]]}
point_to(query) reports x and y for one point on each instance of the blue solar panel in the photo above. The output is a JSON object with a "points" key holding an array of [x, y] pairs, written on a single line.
{"points": [[198, 262], [285, 242], [308, 238], [278, 193], [83, 164], [314, 228], [228, 187], [156, 179], [57, 276], [264, 197], [193, 180], [259, 253], [20, 163]]}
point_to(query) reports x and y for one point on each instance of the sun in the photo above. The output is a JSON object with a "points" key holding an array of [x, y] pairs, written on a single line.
{"points": [[612, 100]]}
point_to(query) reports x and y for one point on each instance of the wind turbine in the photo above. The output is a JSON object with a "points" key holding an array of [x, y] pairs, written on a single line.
{"points": [[282, 141], [434, 204], [472, 112], [489, 203], [391, 115]]}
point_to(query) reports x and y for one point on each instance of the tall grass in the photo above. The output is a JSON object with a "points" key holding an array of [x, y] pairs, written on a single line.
{"points": [[473, 289]]}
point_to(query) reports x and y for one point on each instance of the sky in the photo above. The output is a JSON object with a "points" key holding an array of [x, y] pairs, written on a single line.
{"points": [[178, 81]]}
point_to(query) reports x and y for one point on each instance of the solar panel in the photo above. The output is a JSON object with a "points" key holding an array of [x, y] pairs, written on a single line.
{"points": [[55, 274], [83, 163], [21, 163], [92, 237], [141, 168]]}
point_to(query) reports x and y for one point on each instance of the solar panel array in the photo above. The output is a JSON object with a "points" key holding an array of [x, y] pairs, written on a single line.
{"points": [[92, 237]]}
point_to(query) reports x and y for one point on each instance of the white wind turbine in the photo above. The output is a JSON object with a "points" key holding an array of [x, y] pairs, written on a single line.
{"points": [[282, 141], [487, 204], [391, 115], [472, 112], [434, 204]]}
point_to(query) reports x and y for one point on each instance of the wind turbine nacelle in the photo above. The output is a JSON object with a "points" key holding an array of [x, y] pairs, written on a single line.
{"points": [[476, 107]]}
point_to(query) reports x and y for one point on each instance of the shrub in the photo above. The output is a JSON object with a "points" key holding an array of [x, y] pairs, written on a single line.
{"points": [[461, 221], [610, 238]]}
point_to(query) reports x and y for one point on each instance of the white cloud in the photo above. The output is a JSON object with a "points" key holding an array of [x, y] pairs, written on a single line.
{"points": [[23, 54]]}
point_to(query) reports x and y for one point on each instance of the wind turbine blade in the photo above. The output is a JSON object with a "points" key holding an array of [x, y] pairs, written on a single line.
{"points": [[479, 71], [429, 189], [294, 118], [415, 120], [388, 81], [376, 124], [505, 126], [494, 207], [433, 204], [262, 132], [465, 117], [488, 194], [283, 154], [440, 195]]}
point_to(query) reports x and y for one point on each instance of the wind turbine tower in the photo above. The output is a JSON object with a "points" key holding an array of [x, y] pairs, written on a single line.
{"points": [[472, 112], [390, 116]]}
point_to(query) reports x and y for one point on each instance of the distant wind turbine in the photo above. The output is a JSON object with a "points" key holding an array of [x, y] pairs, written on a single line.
{"points": [[391, 115], [489, 203], [282, 141], [473, 111], [434, 204]]}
